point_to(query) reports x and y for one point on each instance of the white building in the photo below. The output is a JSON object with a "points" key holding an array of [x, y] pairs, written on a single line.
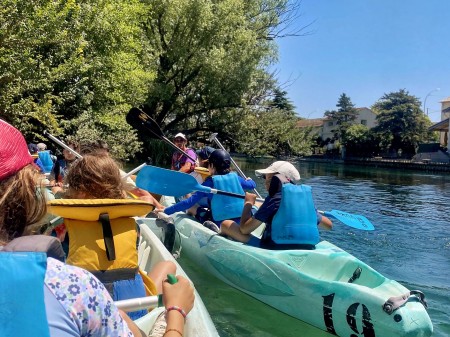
{"points": [[325, 127], [443, 125]]}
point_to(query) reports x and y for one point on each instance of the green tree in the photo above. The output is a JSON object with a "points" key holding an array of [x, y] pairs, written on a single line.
{"points": [[280, 135], [401, 122], [281, 101], [72, 65], [344, 116], [358, 141], [207, 54]]}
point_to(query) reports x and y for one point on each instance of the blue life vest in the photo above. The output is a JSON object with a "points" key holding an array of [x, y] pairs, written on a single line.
{"points": [[46, 160], [296, 220], [22, 310], [224, 207], [60, 170]]}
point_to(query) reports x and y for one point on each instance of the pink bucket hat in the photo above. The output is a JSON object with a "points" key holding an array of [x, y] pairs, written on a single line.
{"points": [[14, 153]]}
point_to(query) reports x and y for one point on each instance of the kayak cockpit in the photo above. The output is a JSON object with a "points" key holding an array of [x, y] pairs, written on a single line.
{"points": [[337, 266]]}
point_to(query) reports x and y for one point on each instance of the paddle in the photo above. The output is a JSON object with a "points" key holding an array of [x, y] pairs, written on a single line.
{"points": [[353, 220], [62, 144], [167, 182], [213, 137], [141, 121], [139, 303], [68, 148]]}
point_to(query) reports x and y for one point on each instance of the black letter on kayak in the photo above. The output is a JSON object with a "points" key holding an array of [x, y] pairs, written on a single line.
{"points": [[367, 325], [327, 313]]}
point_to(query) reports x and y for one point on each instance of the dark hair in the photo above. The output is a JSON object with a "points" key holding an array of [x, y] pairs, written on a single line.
{"points": [[221, 161], [32, 148]]}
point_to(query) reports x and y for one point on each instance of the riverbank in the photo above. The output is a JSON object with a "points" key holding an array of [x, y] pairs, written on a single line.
{"points": [[401, 164]]}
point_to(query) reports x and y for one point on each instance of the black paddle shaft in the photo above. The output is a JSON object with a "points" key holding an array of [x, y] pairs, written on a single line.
{"points": [[139, 120]]}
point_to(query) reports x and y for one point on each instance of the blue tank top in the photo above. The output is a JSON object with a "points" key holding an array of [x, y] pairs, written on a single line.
{"points": [[224, 207], [296, 220]]}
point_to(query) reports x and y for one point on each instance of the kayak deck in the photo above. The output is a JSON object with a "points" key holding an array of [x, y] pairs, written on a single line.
{"points": [[326, 287]]}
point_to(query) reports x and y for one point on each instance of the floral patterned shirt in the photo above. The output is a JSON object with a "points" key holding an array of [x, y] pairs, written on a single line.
{"points": [[89, 309]]}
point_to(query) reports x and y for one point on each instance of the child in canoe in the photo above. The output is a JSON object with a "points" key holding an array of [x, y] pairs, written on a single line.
{"points": [[288, 212], [102, 231], [211, 209]]}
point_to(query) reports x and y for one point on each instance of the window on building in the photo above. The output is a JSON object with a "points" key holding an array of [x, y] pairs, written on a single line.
{"points": [[330, 123], [363, 122]]}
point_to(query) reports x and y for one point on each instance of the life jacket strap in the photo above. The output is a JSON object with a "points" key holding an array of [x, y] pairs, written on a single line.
{"points": [[110, 276], [108, 236]]}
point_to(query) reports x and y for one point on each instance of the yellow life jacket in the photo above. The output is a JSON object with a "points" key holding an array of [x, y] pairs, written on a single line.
{"points": [[203, 171], [103, 236]]}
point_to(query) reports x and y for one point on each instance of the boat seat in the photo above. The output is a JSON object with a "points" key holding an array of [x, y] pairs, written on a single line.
{"points": [[143, 254]]}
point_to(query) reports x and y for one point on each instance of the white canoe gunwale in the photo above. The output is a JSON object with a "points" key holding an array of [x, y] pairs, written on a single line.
{"points": [[312, 286], [198, 322]]}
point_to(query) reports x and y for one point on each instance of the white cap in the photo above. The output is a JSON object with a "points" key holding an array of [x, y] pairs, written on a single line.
{"points": [[180, 135], [41, 146], [282, 167]]}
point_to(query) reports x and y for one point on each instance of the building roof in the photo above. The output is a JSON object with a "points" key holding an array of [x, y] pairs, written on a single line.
{"points": [[315, 122], [445, 100], [366, 109], [440, 126]]}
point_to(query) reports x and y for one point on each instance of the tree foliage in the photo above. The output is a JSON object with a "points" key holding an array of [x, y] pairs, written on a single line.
{"points": [[76, 67], [360, 141], [281, 136], [71, 65], [206, 53], [281, 101], [401, 122], [344, 115]]}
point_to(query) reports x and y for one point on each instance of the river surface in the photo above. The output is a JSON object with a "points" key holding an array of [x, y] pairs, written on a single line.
{"points": [[410, 244]]}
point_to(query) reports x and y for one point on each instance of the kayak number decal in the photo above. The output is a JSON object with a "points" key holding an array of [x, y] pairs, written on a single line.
{"points": [[367, 326]]}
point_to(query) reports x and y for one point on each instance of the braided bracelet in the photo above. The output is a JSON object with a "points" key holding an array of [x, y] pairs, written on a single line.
{"points": [[168, 330], [174, 307]]}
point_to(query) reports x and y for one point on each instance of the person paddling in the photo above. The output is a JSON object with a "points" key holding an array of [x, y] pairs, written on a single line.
{"points": [[179, 161], [288, 212], [210, 209], [61, 168]]}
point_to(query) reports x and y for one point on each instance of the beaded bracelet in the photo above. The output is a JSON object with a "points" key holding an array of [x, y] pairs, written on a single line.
{"points": [[168, 330], [174, 307]]}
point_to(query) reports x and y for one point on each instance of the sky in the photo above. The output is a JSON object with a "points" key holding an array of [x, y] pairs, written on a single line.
{"points": [[365, 49]]}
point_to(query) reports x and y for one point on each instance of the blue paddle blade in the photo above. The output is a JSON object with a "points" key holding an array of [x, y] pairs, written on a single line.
{"points": [[167, 182], [353, 220]]}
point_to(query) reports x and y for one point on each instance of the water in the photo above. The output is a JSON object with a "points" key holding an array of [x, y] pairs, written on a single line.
{"points": [[411, 244]]}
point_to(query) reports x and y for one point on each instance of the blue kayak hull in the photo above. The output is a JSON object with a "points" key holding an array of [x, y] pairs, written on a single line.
{"points": [[310, 285]]}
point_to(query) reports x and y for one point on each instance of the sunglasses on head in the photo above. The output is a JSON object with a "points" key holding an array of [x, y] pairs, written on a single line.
{"points": [[264, 176]]}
